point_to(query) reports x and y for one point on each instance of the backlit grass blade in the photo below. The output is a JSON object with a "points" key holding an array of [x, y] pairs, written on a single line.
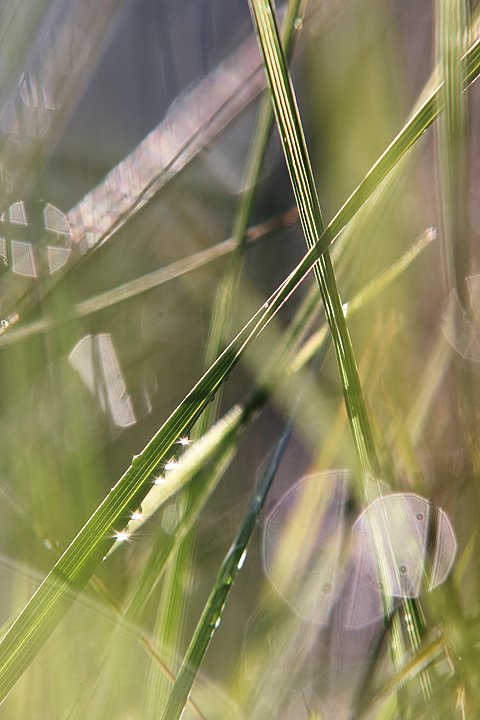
{"points": [[152, 573], [39, 617], [294, 358], [171, 481], [211, 616]]}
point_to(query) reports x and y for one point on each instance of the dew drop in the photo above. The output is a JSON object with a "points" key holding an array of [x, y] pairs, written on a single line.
{"points": [[121, 536], [217, 624]]}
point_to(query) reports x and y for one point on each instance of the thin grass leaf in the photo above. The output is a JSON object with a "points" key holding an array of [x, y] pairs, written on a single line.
{"points": [[431, 650], [296, 155], [222, 307], [219, 445], [272, 377], [211, 616], [41, 614]]}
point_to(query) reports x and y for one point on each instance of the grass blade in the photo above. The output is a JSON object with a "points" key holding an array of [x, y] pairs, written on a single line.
{"points": [[212, 612]]}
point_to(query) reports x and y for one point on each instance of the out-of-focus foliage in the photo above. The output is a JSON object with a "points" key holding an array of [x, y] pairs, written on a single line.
{"points": [[147, 220]]}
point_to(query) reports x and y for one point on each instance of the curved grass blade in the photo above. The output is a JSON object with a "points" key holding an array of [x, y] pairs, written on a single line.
{"points": [[151, 575], [295, 357], [211, 616], [39, 617]]}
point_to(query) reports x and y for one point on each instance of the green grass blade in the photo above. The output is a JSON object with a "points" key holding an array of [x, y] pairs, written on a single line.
{"points": [[212, 612], [45, 609], [222, 308], [202, 451], [151, 575]]}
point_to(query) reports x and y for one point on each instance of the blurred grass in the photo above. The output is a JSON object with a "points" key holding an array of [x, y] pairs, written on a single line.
{"points": [[61, 449]]}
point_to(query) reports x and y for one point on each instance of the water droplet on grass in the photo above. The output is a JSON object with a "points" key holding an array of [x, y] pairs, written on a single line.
{"points": [[121, 536]]}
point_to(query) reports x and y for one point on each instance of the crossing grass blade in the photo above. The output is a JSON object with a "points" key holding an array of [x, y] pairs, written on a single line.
{"points": [[301, 176], [295, 356], [211, 615], [41, 615], [172, 611]]}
